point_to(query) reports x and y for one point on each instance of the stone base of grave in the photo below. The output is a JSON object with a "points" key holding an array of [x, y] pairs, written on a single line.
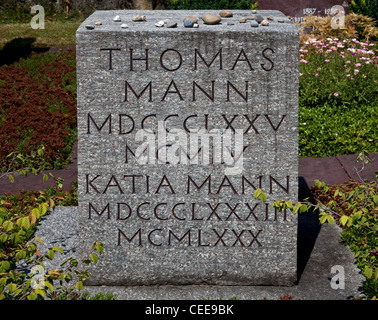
{"points": [[319, 250]]}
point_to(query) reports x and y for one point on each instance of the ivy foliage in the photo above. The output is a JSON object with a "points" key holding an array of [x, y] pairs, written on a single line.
{"points": [[353, 206]]}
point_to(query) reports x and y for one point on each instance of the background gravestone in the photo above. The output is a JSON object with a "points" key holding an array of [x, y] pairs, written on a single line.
{"points": [[189, 222], [297, 10]]}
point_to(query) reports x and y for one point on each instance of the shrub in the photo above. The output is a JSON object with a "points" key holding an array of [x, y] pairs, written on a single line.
{"points": [[365, 7], [38, 110], [355, 26], [327, 131]]}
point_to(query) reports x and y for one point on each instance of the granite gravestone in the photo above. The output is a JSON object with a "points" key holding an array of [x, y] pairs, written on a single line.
{"points": [[177, 129]]}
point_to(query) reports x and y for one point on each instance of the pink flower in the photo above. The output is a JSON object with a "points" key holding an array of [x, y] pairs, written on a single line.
{"points": [[358, 64], [303, 61], [326, 60], [336, 94], [316, 74]]}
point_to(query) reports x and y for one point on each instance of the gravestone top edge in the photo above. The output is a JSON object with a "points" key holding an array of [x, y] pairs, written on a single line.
{"points": [[154, 16]]}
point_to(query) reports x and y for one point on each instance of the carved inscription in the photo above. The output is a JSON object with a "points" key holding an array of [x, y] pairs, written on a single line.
{"points": [[219, 126]]}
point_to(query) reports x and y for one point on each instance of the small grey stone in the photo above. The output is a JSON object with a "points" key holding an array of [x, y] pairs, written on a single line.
{"points": [[280, 20], [230, 23], [188, 23], [270, 18], [253, 11], [89, 27], [254, 24], [259, 19], [265, 23], [171, 24]]}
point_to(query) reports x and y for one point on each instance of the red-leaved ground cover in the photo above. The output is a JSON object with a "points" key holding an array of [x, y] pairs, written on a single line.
{"points": [[38, 107]]}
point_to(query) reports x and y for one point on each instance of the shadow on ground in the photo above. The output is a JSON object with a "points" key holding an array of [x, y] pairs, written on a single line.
{"points": [[18, 48], [308, 228]]}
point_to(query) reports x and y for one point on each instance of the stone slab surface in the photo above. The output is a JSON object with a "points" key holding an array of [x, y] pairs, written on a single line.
{"points": [[193, 222], [319, 252]]}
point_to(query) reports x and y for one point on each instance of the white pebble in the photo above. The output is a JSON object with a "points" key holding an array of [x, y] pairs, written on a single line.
{"points": [[124, 25], [160, 23], [117, 19]]}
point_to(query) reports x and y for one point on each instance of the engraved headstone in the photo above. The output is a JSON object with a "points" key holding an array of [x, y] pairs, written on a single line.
{"points": [[297, 10], [177, 128]]}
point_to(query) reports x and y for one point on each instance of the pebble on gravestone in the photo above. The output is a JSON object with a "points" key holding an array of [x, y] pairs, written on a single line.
{"points": [[117, 19], [211, 19], [270, 18], [171, 24], [244, 19], [196, 25], [188, 23], [194, 19], [124, 26], [253, 11], [226, 14], [259, 19], [265, 23], [139, 18], [280, 20], [89, 27], [230, 23], [160, 24], [254, 24], [98, 23]]}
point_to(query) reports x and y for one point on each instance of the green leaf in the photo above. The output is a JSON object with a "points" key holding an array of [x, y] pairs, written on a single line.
{"points": [[263, 197], [330, 220], [257, 193], [344, 219], [40, 152], [40, 292], [45, 177], [44, 207], [25, 222], [368, 273], [79, 285], [32, 296], [11, 178], [38, 239], [58, 249], [49, 285], [8, 226], [93, 257], [11, 287], [5, 265], [51, 254]]}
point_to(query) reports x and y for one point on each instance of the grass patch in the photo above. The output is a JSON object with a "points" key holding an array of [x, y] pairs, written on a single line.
{"points": [[328, 131], [56, 33]]}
